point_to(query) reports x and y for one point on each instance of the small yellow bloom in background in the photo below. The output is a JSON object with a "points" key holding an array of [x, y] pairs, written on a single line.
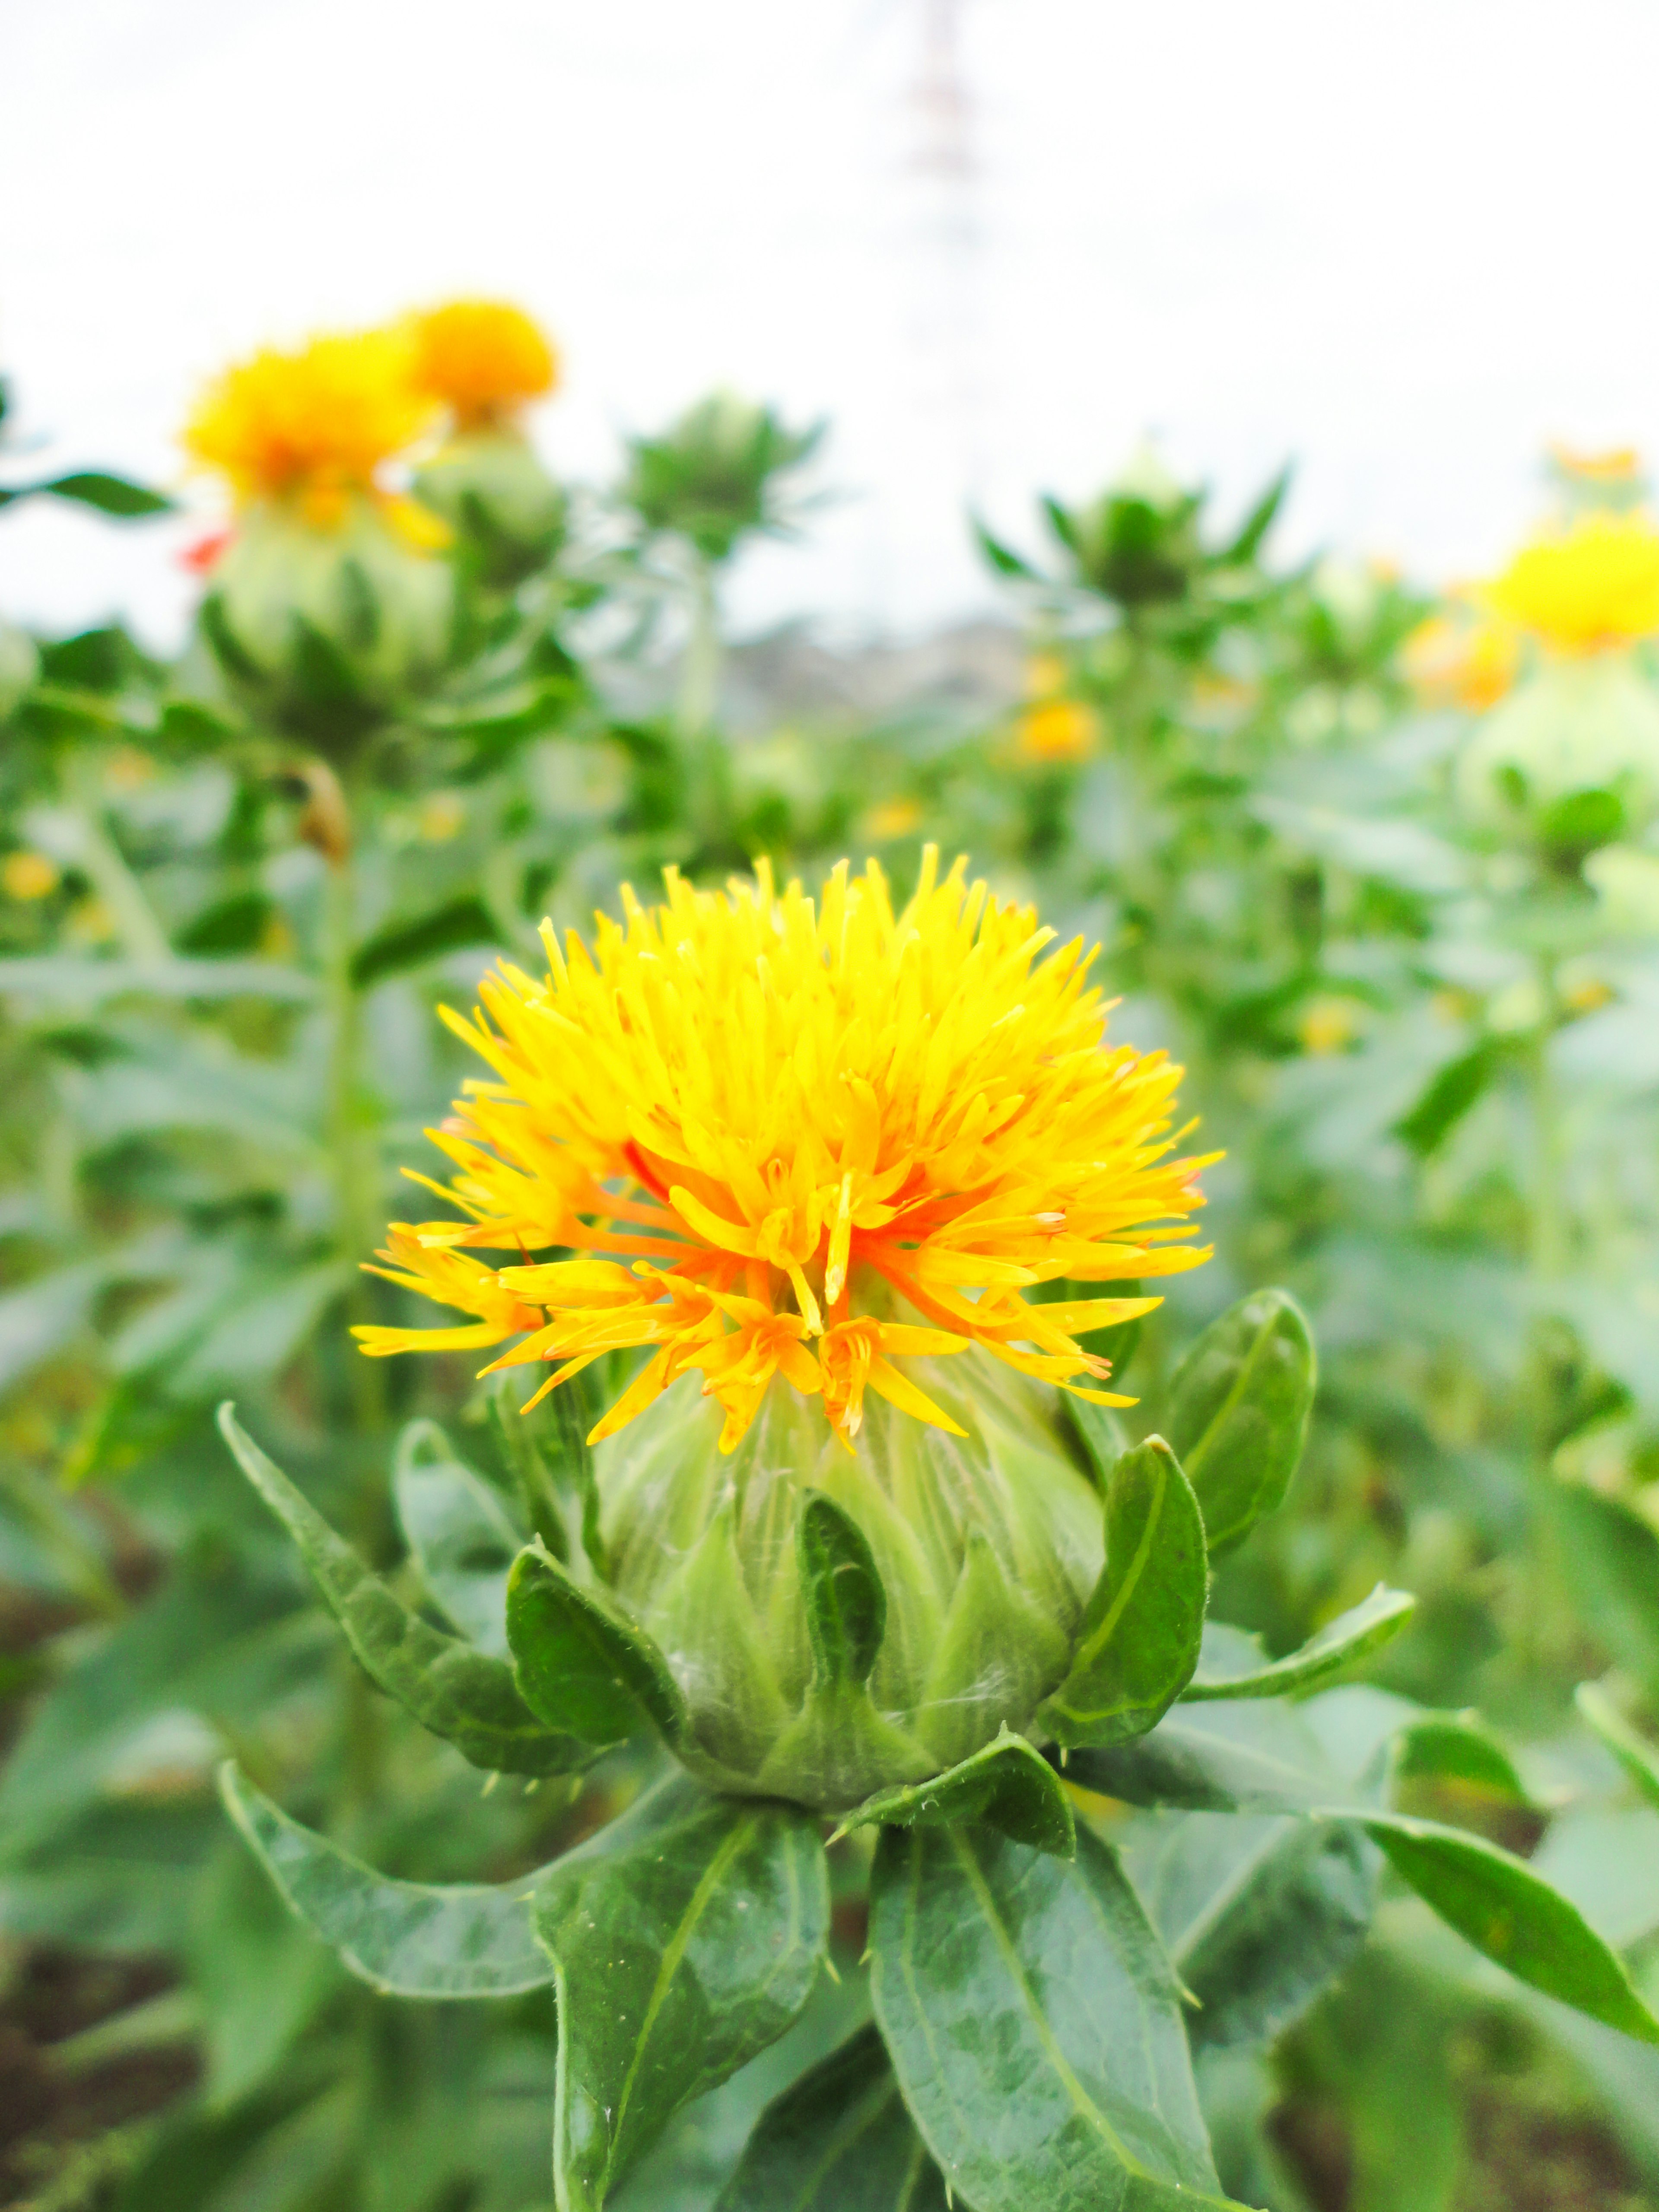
{"points": [[1045, 675], [127, 767], [810, 1138], [1587, 994], [484, 359], [1055, 730], [892, 819], [29, 876], [442, 816], [1585, 589], [1461, 660], [1328, 1026], [1617, 467], [91, 923], [314, 424]]}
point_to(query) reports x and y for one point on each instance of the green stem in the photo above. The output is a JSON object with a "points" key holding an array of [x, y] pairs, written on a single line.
{"points": [[699, 674], [1550, 1230], [143, 937], [352, 1146], [45, 1509]]}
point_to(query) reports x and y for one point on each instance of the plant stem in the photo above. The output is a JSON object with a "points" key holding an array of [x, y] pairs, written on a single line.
{"points": [[352, 1145], [701, 671], [142, 935], [1550, 1238]]}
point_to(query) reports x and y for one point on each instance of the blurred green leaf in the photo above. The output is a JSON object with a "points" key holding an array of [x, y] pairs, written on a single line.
{"points": [[1009, 1786], [405, 1938], [1615, 1564], [840, 2140], [95, 487], [1448, 1096], [1352, 1636], [463, 1538], [685, 1938], [1139, 1641], [457, 926], [1239, 1404], [1638, 1758]]}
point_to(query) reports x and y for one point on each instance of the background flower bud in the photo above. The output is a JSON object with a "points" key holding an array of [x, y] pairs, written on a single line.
{"points": [[492, 491]]}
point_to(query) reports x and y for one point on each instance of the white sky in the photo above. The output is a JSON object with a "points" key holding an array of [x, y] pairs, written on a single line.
{"points": [[1407, 243]]}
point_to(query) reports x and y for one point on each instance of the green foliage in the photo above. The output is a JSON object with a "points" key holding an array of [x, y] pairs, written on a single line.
{"points": [[1239, 1405]]}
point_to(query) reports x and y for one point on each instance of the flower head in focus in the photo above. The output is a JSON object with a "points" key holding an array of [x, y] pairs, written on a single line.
{"points": [[1589, 587], [314, 425], [483, 359], [763, 1134]]}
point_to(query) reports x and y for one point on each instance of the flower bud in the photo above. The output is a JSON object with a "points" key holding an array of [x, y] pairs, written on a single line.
{"points": [[491, 490], [1578, 726], [988, 1547], [357, 592]]}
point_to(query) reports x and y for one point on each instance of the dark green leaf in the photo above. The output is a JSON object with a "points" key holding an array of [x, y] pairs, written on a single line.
{"points": [[582, 1663], [1139, 1638], [839, 2140], [1034, 2024], [1009, 1786], [1239, 1407], [1002, 558], [1258, 522], [1449, 1095], [1258, 1911], [407, 1939], [460, 1532], [1365, 1628], [1448, 1754], [841, 1589], [96, 488], [1638, 1758], [460, 1693], [455, 926], [685, 1938]]}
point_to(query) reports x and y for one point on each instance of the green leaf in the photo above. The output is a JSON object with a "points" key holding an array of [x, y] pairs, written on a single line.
{"points": [[1034, 2026], [1009, 1786], [1615, 1566], [1100, 1432], [1638, 1758], [456, 926], [1239, 1407], [407, 1939], [841, 1589], [1498, 1903], [460, 1532], [1216, 1758], [1259, 1912], [1451, 1758], [458, 1693], [1258, 522], [685, 1938], [96, 488], [838, 2140], [553, 1464], [582, 1663], [1366, 1627], [1002, 558], [1139, 1638], [1448, 1095]]}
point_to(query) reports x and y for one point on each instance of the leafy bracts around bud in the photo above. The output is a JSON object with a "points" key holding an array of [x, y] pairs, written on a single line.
{"points": [[492, 491], [840, 1623]]}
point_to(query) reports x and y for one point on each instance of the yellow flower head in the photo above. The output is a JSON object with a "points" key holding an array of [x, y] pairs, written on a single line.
{"points": [[1056, 730], [315, 424], [1464, 661], [1592, 585], [482, 359], [756, 1127]]}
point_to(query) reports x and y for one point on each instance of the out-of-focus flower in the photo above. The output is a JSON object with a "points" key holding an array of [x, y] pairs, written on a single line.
{"points": [[29, 875], [1462, 659], [1328, 1025], [484, 359], [1616, 467], [442, 816], [1581, 726], [1586, 589], [892, 819], [1055, 730]]}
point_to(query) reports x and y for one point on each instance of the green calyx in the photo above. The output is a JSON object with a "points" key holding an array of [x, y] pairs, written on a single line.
{"points": [[840, 1623], [489, 487]]}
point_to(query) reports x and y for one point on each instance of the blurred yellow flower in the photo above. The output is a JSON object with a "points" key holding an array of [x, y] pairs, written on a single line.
{"points": [[29, 876], [484, 360], [1593, 586], [313, 425], [1326, 1026], [1456, 660], [1619, 464], [1057, 730], [442, 816], [893, 818]]}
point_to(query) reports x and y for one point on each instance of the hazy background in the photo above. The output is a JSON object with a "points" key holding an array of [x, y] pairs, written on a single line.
{"points": [[995, 239]]}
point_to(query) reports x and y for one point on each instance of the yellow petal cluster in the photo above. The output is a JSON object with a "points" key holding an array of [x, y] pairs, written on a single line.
{"points": [[1590, 586], [758, 1133], [482, 358], [1461, 660], [316, 422]]}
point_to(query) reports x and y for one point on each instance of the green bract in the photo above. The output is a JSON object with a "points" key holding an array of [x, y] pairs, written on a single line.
{"points": [[491, 490], [972, 1558]]}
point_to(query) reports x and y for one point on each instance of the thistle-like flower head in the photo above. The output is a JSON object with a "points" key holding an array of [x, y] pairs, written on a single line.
{"points": [[759, 1134], [1589, 587], [484, 359]]}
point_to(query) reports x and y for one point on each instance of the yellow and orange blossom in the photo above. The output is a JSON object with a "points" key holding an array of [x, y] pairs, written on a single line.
{"points": [[756, 1127], [314, 424], [484, 360], [1587, 588]]}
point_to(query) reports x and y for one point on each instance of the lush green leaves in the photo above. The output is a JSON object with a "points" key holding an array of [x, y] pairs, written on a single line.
{"points": [[460, 1531], [405, 1938], [1365, 1628], [1034, 2026], [839, 2140], [457, 1692], [841, 1590], [1638, 1758], [684, 1938], [1139, 1638], [581, 1663], [1009, 1786], [1239, 1407]]}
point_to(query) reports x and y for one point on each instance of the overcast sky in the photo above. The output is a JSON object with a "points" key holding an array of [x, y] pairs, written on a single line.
{"points": [[1406, 244]]}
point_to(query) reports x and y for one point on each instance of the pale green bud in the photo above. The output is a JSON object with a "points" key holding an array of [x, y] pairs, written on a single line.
{"points": [[491, 490], [988, 1547], [1576, 726]]}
